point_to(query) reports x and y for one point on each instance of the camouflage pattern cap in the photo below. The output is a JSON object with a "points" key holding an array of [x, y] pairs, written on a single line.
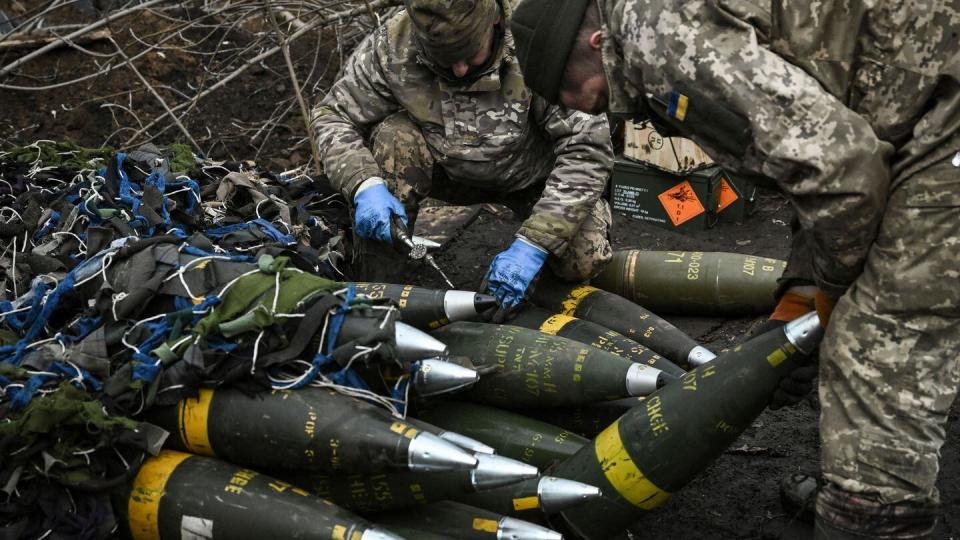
{"points": [[452, 30]]}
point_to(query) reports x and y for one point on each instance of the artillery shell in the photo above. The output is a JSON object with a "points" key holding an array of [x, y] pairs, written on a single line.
{"points": [[662, 444], [533, 498], [579, 330], [693, 282], [428, 309], [512, 435], [621, 315], [396, 490], [177, 495], [309, 429]]}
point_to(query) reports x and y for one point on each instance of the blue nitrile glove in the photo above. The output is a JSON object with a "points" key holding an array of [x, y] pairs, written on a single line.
{"points": [[512, 271], [374, 206]]}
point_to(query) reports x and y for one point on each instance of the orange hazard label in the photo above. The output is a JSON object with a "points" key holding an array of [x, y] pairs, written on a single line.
{"points": [[727, 195], [681, 203]]}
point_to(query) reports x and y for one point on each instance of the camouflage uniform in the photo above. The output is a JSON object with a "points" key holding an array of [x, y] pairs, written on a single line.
{"points": [[859, 130], [488, 132]]}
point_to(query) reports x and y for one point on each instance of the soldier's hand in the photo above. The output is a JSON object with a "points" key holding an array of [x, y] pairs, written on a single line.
{"points": [[824, 304], [375, 206], [799, 383], [511, 274], [796, 386]]}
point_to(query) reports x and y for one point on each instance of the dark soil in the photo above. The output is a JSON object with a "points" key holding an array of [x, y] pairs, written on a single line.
{"points": [[737, 497]]}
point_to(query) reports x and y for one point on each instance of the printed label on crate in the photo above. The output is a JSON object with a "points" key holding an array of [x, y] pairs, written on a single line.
{"points": [[727, 196], [681, 203]]}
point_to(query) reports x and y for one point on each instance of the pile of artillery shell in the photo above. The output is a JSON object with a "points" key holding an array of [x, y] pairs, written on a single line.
{"points": [[183, 354]]}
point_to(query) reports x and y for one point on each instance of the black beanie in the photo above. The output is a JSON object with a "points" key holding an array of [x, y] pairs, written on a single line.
{"points": [[544, 32]]}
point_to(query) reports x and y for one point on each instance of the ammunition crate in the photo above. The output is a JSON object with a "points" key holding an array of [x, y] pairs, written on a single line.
{"points": [[737, 199], [676, 201]]}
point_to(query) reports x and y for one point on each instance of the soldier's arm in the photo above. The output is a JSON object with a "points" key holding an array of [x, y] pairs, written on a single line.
{"points": [[753, 111], [584, 156], [359, 98]]}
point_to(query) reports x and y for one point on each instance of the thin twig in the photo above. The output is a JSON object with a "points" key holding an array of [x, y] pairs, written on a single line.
{"points": [[89, 28], [319, 21], [163, 103], [285, 47]]}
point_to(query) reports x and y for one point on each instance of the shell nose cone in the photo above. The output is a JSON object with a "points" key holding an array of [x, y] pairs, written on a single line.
{"points": [[805, 332], [557, 494], [643, 380], [413, 344], [427, 452], [699, 356], [467, 443], [379, 534], [438, 377], [496, 471], [517, 529]]}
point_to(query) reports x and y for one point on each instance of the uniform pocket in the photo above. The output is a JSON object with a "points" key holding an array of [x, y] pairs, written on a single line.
{"points": [[916, 253], [897, 467]]}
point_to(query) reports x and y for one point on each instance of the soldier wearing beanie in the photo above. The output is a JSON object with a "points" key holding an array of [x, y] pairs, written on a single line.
{"points": [[852, 110], [433, 102]]}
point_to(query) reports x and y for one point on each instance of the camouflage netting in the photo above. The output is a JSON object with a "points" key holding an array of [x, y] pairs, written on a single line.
{"points": [[131, 280]]}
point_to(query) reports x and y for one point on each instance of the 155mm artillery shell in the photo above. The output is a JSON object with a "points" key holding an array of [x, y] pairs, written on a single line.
{"points": [[396, 490], [512, 435], [177, 495], [428, 309], [531, 499], [533, 369], [309, 429], [591, 333], [623, 316], [693, 282], [664, 443]]}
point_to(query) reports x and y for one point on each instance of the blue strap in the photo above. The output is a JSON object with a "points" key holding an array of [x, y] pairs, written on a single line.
{"points": [[197, 252], [84, 326], [20, 397], [20, 321], [337, 323], [194, 186], [345, 376], [76, 371], [266, 226], [145, 368], [48, 226], [39, 322]]}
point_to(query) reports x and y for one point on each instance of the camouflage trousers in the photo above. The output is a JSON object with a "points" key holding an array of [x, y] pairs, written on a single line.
{"points": [[412, 173], [890, 359]]}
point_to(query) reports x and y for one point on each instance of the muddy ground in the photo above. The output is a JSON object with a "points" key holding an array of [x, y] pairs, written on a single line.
{"points": [[737, 497]]}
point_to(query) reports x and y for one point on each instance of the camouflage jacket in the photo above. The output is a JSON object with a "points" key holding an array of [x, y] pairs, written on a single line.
{"points": [[795, 96], [490, 132]]}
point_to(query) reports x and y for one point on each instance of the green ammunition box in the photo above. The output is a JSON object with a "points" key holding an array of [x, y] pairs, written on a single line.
{"points": [[737, 198], [676, 201]]}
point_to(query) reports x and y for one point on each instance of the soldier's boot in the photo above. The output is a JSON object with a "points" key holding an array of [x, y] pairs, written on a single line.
{"points": [[798, 496], [841, 515]]}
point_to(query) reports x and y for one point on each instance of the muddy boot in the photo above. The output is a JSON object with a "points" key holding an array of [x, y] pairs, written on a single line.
{"points": [[841, 515], [798, 496]]}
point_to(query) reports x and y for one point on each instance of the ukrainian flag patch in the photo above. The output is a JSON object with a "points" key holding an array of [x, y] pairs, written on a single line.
{"points": [[677, 107]]}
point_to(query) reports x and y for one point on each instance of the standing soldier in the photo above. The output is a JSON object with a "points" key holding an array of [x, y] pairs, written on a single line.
{"points": [[852, 108], [440, 91]]}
